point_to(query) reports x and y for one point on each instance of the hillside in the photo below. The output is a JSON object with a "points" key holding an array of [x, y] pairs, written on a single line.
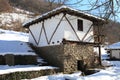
{"points": [[16, 12], [5, 6], [14, 19], [36, 6], [112, 32]]}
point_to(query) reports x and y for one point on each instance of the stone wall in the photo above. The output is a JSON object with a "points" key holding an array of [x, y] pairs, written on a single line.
{"points": [[67, 56], [27, 74], [52, 54], [18, 59], [75, 53]]}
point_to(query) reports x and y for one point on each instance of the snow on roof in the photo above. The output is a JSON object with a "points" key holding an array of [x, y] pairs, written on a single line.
{"points": [[114, 46], [63, 9]]}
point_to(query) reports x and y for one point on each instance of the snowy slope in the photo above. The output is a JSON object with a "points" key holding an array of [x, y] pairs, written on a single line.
{"points": [[12, 42], [17, 15], [15, 42], [8, 35]]}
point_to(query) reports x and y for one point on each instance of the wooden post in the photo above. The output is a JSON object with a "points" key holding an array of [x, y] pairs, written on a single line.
{"points": [[99, 47]]}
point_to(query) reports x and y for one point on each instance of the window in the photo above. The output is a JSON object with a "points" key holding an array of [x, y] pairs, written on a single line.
{"points": [[80, 25]]}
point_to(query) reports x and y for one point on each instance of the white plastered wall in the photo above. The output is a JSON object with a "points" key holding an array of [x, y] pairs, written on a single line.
{"points": [[64, 30], [69, 33]]}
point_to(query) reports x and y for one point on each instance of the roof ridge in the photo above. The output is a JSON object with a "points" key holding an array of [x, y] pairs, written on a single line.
{"points": [[62, 9]]}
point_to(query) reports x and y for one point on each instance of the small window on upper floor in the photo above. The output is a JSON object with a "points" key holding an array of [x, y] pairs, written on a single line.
{"points": [[80, 24]]}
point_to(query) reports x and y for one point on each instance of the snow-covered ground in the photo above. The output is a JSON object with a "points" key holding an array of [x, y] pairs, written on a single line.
{"points": [[5, 69], [11, 41], [110, 73]]}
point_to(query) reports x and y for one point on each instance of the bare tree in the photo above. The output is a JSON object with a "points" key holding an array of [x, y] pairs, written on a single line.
{"points": [[103, 8], [55, 3]]}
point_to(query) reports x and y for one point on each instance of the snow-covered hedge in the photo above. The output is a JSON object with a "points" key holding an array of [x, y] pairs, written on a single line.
{"points": [[27, 75]]}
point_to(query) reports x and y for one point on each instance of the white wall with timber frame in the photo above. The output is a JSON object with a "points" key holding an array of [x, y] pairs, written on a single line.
{"points": [[62, 26]]}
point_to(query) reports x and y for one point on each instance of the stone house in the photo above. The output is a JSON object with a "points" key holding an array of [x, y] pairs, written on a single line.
{"points": [[114, 51], [65, 38]]}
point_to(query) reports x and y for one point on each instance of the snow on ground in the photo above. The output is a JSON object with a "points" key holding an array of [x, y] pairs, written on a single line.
{"points": [[12, 42], [110, 73], [7, 35], [5, 69]]}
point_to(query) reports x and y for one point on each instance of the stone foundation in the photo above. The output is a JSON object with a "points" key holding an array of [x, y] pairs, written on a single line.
{"points": [[68, 56]]}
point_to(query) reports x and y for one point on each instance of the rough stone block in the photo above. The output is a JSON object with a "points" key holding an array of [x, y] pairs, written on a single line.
{"points": [[9, 59]]}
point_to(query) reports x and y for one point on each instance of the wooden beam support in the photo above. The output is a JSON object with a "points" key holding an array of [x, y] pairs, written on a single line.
{"points": [[72, 28], [33, 36], [40, 35], [99, 45], [87, 32], [45, 32], [56, 28]]}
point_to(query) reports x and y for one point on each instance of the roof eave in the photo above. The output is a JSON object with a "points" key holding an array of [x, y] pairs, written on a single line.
{"points": [[95, 20]]}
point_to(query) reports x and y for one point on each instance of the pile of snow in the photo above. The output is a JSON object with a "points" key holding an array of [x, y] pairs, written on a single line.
{"points": [[5, 69], [106, 63]]}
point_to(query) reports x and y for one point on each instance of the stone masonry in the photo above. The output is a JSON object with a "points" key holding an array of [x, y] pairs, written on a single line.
{"points": [[67, 56]]}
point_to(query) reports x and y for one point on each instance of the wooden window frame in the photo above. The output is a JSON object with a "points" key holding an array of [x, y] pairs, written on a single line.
{"points": [[80, 25]]}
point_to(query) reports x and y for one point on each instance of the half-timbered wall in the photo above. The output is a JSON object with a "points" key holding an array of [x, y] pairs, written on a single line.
{"points": [[70, 34], [63, 26]]}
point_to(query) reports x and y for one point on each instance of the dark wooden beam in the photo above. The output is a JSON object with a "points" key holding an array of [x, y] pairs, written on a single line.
{"points": [[87, 32], [72, 28], [40, 35], [99, 47], [56, 28], [45, 32], [33, 36]]}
